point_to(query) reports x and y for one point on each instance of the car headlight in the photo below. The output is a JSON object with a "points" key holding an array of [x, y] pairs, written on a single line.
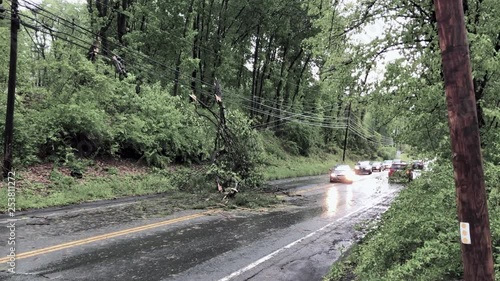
{"points": [[332, 175], [356, 167]]}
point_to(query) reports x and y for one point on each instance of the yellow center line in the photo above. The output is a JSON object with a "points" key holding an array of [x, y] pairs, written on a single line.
{"points": [[121, 233], [103, 237]]}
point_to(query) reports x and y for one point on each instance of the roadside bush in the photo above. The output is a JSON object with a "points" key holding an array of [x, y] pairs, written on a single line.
{"points": [[273, 146], [492, 151], [386, 153], [418, 238], [299, 138], [162, 129], [244, 157], [86, 112]]}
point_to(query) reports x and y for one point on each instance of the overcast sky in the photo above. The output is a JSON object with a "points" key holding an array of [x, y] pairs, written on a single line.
{"points": [[369, 33]]}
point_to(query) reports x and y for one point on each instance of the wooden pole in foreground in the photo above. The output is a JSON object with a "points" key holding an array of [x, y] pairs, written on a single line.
{"points": [[465, 143]]}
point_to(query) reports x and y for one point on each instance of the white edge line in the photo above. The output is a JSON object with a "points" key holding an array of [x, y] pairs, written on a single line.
{"points": [[265, 258]]}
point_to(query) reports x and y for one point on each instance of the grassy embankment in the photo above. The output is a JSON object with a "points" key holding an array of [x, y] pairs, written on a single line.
{"points": [[48, 185], [297, 166]]}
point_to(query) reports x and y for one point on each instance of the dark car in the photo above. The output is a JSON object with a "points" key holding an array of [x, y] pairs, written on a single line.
{"points": [[363, 167], [342, 173], [418, 165], [377, 166], [400, 172]]}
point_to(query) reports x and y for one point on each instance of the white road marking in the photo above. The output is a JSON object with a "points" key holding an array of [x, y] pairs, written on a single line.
{"points": [[271, 255]]}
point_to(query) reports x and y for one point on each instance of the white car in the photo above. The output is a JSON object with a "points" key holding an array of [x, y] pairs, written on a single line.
{"points": [[363, 167]]}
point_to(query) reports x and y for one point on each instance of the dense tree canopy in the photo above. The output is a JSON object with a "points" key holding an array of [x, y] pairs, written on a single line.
{"points": [[128, 77]]}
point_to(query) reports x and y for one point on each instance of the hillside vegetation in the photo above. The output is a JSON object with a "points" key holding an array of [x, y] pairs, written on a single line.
{"points": [[224, 85]]}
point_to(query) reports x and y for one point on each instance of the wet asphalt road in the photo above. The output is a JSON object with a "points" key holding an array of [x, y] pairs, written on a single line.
{"points": [[133, 240]]}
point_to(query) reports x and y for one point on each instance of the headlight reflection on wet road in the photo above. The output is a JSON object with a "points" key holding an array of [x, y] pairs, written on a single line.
{"points": [[336, 197], [332, 201]]}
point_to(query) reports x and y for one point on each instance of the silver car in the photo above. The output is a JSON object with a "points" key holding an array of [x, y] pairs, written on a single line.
{"points": [[363, 167]]}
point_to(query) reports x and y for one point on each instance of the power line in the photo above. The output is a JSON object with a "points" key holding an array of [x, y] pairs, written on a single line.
{"points": [[306, 122], [369, 132], [72, 25], [290, 113], [117, 45], [66, 40], [317, 124], [54, 33], [306, 115], [323, 124], [124, 47], [358, 129], [303, 114], [263, 103]]}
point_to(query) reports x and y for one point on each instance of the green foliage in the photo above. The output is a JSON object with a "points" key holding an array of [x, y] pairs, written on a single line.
{"points": [[299, 166], [342, 269], [399, 176], [418, 237], [301, 139], [492, 151], [66, 102], [414, 107], [66, 190], [273, 146], [191, 180], [243, 157], [162, 128], [186, 188], [108, 117], [386, 153]]}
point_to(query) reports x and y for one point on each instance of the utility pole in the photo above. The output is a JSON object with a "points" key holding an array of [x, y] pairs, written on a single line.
{"points": [[11, 92], [465, 143], [346, 131]]}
